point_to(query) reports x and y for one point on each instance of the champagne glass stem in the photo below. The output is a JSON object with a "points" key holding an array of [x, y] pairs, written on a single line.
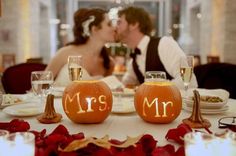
{"points": [[185, 90], [186, 87]]}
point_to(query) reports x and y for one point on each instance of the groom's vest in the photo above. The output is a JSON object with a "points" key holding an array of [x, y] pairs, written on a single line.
{"points": [[153, 62]]}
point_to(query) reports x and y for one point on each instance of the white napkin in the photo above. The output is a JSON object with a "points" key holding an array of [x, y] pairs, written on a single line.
{"points": [[58, 89], [113, 82]]}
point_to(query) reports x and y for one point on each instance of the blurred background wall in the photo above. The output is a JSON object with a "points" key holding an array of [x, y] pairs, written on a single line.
{"points": [[37, 28]]}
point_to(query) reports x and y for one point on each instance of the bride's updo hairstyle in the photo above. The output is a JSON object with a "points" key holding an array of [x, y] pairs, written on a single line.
{"points": [[84, 19]]}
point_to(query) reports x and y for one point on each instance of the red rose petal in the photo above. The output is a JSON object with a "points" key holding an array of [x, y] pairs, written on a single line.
{"points": [[131, 150], [102, 152], [55, 139], [167, 150], [148, 143], [68, 154], [137, 151], [177, 134], [60, 129], [89, 150], [39, 134], [78, 136], [15, 125], [180, 151]]}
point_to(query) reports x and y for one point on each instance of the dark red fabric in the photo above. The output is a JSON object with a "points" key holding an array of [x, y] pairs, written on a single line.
{"points": [[16, 79]]}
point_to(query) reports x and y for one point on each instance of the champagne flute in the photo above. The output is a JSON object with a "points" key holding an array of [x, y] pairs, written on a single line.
{"points": [[41, 82], [186, 70], [74, 67]]}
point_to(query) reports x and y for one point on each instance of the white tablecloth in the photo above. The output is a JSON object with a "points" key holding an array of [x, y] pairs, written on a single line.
{"points": [[119, 126]]}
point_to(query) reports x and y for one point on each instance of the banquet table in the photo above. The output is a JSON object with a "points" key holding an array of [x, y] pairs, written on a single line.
{"points": [[119, 126]]}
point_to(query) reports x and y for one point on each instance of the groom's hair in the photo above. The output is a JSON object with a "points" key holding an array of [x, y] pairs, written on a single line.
{"points": [[138, 15]]}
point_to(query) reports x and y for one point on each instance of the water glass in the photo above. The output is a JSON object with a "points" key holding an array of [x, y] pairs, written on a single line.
{"points": [[41, 82], [74, 67]]}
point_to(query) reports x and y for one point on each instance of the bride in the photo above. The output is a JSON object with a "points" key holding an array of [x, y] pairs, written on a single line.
{"points": [[92, 29]]}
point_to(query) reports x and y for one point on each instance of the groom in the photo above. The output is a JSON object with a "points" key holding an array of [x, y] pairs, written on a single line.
{"points": [[150, 54]]}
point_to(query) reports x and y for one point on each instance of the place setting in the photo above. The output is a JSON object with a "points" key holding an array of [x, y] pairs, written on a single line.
{"points": [[20, 105], [23, 110], [33, 103], [9, 100], [212, 101]]}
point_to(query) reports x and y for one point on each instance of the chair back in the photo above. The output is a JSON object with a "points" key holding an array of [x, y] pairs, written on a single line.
{"points": [[217, 75], [35, 60], [16, 79]]}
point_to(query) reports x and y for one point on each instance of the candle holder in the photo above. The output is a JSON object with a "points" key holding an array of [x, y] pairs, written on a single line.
{"points": [[196, 120], [197, 143], [19, 144], [3, 135]]}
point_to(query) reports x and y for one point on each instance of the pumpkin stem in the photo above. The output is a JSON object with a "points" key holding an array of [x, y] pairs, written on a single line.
{"points": [[196, 120]]}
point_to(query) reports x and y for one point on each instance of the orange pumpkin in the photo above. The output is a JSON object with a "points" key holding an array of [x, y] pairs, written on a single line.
{"points": [[87, 101], [158, 102]]}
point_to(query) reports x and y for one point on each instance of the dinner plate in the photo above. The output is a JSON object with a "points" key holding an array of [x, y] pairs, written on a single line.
{"points": [[9, 100], [208, 111], [221, 93], [206, 105], [23, 110], [123, 105], [3, 105]]}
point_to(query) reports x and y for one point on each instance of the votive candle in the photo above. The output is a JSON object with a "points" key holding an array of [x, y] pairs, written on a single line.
{"points": [[3, 135], [20, 144], [197, 143]]}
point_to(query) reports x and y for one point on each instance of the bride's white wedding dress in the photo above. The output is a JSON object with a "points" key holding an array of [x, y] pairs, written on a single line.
{"points": [[63, 79]]}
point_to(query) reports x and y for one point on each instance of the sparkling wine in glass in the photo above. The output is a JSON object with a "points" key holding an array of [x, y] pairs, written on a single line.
{"points": [[74, 67], [41, 82], [186, 70]]}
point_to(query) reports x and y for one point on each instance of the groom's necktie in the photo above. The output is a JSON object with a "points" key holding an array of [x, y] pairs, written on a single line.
{"points": [[135, 65]]}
